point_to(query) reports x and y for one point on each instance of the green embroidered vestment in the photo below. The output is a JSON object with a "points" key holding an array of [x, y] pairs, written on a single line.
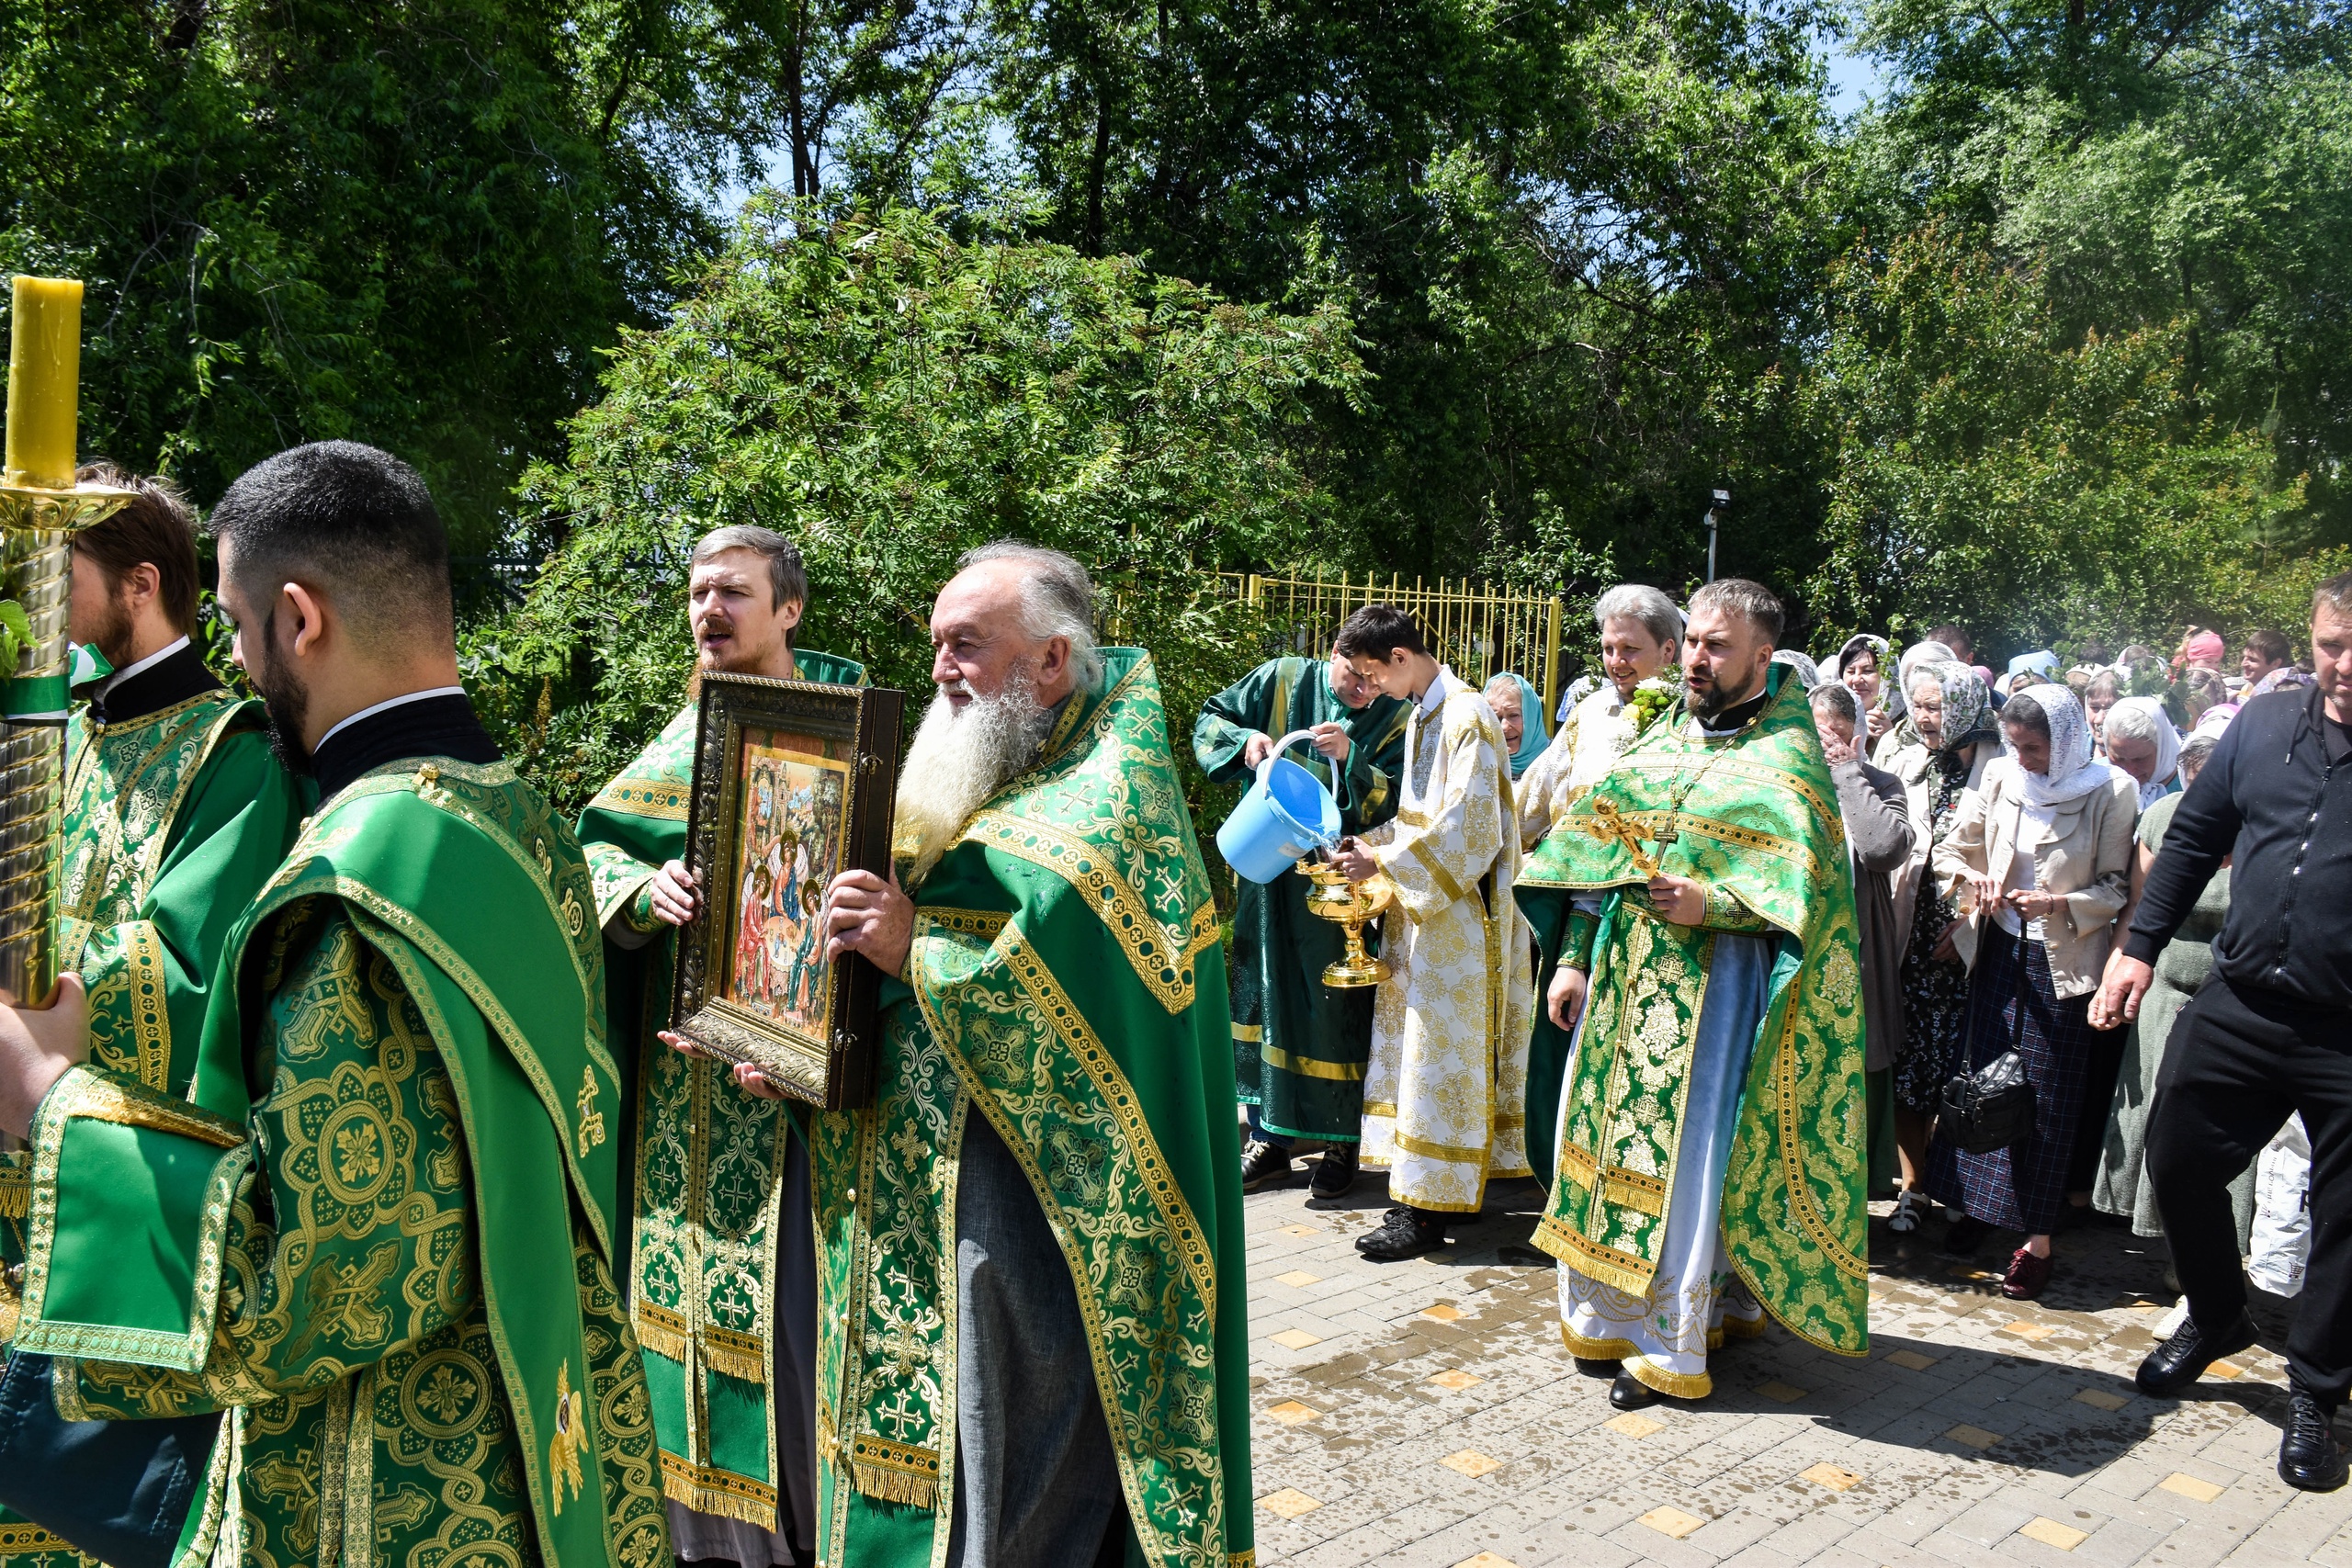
{"points": [[174, 819], [708, 1158], [1300, 1046], [378, 1233], [1064, 984], [1756, 819]]}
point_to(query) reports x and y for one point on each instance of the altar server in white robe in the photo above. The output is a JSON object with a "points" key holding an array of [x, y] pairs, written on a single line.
{"points": [[1445, 1090]]}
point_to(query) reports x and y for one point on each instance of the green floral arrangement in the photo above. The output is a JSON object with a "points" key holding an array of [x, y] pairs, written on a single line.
{"points": [[1651, 698]]}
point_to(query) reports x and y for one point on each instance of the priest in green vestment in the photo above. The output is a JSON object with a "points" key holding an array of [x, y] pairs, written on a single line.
{"points": [[721, 1255], [1300, 1046], [1034, 1335], [175, 814], [1712, 1125], [376, 1232]]}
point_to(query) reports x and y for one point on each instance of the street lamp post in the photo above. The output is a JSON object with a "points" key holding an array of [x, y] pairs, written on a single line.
{"points": [[1714, 521]]}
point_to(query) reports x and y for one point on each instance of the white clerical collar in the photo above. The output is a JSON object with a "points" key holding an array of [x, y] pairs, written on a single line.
{"points": [[374, 709], [1433, 696], [128, 670]]}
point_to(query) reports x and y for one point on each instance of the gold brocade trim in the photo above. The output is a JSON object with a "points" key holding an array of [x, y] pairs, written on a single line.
{"points": [[1249, 1033], [1422, 850], [1462, 1153], [151, 1025], [1742, 1328], [971, 922], [707, 1490], [1784, 1075], [664, 800], [1119, 1098], [1578, 1166], [1168, 976], [738, 1354], [1596, 1349], [15, 1187], [1308, 1066], [1379, 1108], [26, 1540], [96, 1099], [1242, 1558], [659, 1329], [1626, 1272], [896, 1472], [1677, 1385], [1733, 765]]}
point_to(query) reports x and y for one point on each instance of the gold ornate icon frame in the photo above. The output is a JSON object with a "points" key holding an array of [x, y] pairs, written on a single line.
{"points": [[823, 1054]]}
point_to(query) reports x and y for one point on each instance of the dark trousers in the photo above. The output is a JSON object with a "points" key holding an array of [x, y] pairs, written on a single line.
{"points": [[2239, 1062]]}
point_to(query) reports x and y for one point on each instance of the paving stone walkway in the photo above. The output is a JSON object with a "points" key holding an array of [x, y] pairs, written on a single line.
{"points": [[1425, 1412]]}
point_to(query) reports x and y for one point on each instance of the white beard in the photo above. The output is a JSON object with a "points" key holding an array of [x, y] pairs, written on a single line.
{"points": [[959, 759]]}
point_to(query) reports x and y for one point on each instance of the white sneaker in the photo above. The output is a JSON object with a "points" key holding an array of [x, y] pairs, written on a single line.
{"points": [[1910, 1208]]}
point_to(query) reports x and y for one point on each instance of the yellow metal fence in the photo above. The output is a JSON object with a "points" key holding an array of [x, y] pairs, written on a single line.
{"points": [[1480, 629]]}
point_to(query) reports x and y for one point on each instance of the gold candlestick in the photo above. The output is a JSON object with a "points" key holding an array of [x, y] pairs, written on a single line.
{"points": [[41, 510], [1351, 904]]}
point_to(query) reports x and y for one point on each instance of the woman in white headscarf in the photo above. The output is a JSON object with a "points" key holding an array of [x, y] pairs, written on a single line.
{"points": [[2142, 741], [2041, 861]]}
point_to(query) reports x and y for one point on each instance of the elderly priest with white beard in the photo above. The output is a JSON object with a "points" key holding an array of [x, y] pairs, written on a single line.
{"points": [[1031, 1334]]}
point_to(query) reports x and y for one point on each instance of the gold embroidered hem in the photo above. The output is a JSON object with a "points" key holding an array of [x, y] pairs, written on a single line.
{"points": [[1680, 1385], [721, 1493]]}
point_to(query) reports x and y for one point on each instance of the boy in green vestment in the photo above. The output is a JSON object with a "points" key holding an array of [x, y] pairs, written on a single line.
{"points": [[1300, 1046], [377, 1231], [721, 1255], [175, 814], [1033, 1339], [1709, 1154]]}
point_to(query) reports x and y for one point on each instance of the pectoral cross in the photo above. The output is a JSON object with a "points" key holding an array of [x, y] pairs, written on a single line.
{"points": [[1607, 823]]}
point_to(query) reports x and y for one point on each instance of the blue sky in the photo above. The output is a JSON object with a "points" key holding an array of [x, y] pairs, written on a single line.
{"points": [[1852, 78]]}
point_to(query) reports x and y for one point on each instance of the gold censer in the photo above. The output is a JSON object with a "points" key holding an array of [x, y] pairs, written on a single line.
{"points": [[1349, 904]]}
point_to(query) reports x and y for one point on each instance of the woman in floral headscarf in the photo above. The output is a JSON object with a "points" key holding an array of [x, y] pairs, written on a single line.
{"points": [[2039, 861], [1953, 738]]}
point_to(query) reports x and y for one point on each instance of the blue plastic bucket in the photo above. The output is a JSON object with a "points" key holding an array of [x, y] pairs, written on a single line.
{"points": [[1286, 813]]}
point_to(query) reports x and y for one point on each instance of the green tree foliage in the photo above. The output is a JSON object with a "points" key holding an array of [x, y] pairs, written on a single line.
{"points": [[1992, 467], [414, 222], [890, 397]]}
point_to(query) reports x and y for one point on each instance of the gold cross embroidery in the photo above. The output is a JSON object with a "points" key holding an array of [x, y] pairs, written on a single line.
{"points": [[592, 1121]]}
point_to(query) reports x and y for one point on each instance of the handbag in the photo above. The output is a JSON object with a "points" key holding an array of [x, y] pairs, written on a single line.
{"points": [[1989, 1109]]}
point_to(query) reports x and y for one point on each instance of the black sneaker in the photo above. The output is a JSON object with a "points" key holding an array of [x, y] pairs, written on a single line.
{"points": [[1264, 1165], [2309, 1456], [1404, 1233], [2182, 1360], [1965, 1236], [1334, 1173]]}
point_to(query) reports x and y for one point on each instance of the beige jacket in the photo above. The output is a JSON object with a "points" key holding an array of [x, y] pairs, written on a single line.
{"points": [[1911, 764], [2085, 854]]}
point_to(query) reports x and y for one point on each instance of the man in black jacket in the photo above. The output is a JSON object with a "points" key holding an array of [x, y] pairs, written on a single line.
{"points": [[2268, 1035]]}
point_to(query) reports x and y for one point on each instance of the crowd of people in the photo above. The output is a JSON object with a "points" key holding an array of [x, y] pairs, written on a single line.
{"points": [[1999, 839], [361, 1203]]}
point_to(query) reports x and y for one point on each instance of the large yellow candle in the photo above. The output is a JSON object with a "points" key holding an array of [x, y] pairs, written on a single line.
{"points": [[44, 377]]}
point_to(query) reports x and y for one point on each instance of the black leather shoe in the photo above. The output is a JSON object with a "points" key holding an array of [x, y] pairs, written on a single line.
{"points": [[1965, 1236], [2182, 1360], [1334, 1173], [1404, 1233], [1597, 1369], [1630, 1393], [2309, 1455], [1264, 1165]]}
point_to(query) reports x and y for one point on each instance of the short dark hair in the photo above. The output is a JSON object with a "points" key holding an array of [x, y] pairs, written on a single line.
{"points": [[356, 523], [1752, 602], [2336, 593], [2273, 645], [788, 577], [2025, 714], [156, 527], [1950, 630], [1377, 631]]}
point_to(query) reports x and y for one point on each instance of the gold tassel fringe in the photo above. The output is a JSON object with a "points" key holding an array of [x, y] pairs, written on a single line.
{"points": [[717, 1493], [740, 1356], [894, 1472], [659, 1331]]}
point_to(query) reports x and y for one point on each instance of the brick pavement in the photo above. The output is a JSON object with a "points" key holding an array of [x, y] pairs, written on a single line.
{"points": [[1425, 1414]]}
